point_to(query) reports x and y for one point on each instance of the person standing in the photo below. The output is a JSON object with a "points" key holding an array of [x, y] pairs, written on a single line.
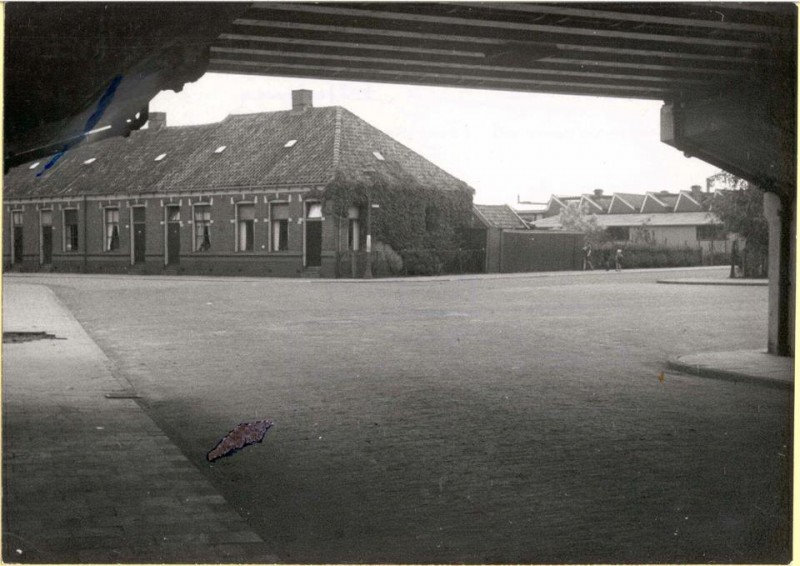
{"points": [[618, 260], [587, 257]]}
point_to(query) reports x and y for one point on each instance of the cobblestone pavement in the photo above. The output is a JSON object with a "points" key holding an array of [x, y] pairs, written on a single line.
{"points": [[490, 420], [92, 479]]}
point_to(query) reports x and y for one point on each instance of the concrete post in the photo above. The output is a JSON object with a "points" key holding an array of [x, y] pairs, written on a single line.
{"points": [[780, 325]]}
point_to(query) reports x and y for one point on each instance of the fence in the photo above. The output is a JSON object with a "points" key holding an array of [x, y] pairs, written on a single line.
{"points": [[531, 250]]}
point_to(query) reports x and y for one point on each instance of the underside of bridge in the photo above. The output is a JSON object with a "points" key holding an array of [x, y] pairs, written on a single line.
{"points": [[727, 72]]}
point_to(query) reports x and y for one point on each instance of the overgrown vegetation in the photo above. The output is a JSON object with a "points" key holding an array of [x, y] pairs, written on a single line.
{"points": [[419, 224], [651, 256], [740, 206]]}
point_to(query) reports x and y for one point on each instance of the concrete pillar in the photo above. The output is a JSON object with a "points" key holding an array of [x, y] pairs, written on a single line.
{"points": [[781, 307]]}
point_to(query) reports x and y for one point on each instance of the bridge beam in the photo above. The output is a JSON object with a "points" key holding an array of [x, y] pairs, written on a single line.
{"points": [[753, 137]]}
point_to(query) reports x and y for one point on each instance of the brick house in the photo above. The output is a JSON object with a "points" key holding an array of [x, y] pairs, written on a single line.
{"points": [[246, 195]]}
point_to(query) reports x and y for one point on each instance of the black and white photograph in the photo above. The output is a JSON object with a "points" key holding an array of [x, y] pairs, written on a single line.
{"points": [[398, 282]]}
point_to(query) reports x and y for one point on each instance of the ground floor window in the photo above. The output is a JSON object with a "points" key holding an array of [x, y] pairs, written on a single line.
{"points": [[202, 228], [111, 229], [353, 228], [70, 230], [246, 227], [279, 215]]}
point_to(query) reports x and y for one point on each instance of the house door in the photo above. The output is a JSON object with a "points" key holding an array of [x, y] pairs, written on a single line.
{"points": [[138, 235], [173, 235], [18, 247], [47, 237], [313, 234]]}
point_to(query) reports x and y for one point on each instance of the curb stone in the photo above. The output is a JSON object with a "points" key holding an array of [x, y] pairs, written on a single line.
{"points": [[726, 375]]}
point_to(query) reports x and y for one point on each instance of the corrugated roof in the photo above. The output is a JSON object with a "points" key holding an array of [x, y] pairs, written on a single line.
{"points": [[500, 216], [329, 139], [655, 219]]}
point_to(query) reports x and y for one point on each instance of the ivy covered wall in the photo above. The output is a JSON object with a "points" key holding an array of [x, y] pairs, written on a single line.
{"points": [[414, 220]]}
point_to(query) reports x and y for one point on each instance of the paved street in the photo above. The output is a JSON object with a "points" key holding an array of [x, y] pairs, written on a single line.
{"points": [[486, 420]]}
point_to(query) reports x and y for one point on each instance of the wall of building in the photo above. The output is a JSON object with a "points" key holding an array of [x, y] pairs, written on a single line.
{"points": [[221, 258], [677, 237]]}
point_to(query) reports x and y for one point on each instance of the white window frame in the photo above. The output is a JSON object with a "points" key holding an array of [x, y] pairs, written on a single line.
{"points": [[237, 227], [353, 229], [106, 240], [64, 237], [195, 247], [272, 240]]}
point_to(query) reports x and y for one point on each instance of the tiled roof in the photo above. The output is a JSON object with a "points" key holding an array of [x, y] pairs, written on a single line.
{"points": [[655, 219], [329, 139], [499, 216], [359, 140]]}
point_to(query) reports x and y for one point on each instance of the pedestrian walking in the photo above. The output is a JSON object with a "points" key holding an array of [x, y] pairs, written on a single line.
{"points": [[587, 257], [618, 260]]}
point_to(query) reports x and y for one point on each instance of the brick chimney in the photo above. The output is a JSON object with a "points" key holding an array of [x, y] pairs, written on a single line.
{"points": [[696, 190], [302, 100], [156, 121], [598, 192]]}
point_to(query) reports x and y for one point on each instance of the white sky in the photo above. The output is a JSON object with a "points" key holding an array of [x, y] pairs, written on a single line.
{"points": [[503, 144]]}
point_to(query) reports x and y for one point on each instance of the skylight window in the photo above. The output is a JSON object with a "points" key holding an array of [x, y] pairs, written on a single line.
{"points": [[34, 166], [220, 149], [160, 157], [378, 156], [290, 143], [90, 161]]}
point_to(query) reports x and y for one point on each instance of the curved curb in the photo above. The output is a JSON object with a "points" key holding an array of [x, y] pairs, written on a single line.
{"points": [[726, 375]]}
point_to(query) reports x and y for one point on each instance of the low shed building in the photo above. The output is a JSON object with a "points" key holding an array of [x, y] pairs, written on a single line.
{"points": [[674, 220], [247, 195]]}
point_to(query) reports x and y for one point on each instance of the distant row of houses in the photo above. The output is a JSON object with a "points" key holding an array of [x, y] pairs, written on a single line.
{"points": [[249, 195], [682, 219]]}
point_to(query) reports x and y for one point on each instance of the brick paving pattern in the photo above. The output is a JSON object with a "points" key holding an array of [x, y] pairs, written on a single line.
{"points": [[92, 479]]}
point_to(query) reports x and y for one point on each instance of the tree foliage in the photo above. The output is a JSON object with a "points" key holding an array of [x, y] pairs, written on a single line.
{"points": [[575, 218], [740, 206]]}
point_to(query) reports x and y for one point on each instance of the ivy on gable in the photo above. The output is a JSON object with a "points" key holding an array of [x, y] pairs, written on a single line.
{"points": [[409, 216]]}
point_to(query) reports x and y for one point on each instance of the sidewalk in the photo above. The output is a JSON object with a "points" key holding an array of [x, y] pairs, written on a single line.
{"points": [[709, 281], [716, 270], [88, 478], [752, 366]]}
